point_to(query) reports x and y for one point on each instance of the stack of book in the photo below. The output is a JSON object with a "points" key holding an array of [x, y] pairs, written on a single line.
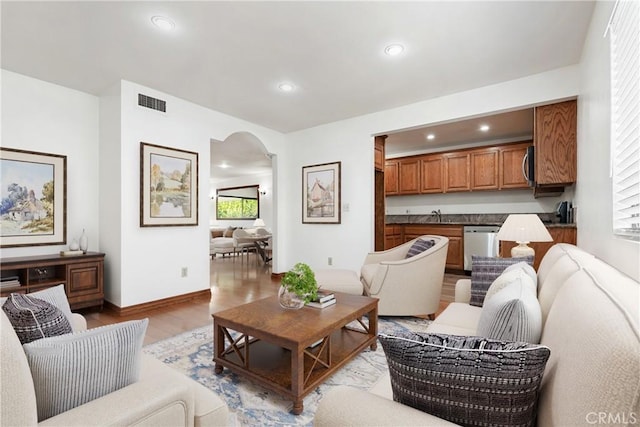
{"points": [[325, 299], [9, 282]]}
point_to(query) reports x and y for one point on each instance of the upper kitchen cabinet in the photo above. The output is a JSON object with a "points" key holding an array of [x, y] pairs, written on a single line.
{"points": [[555, 143], [391, 177], [409, 176], [484, 169], [512, 164], [378, 159], [457, 170], [432, 170]]}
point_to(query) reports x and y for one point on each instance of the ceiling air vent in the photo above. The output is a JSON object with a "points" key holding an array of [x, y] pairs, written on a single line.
{"points": [[153, 103]]}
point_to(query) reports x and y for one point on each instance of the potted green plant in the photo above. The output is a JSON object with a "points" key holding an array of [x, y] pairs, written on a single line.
{"points": [[298, 286]]}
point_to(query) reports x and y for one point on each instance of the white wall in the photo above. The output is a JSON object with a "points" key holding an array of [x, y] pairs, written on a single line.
{"points": [[594, 194], [264, 181], [43, 117], [152, 257], [351, 142]]}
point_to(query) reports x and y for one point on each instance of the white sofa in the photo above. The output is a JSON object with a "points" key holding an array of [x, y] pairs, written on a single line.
{"points": [[162, 396], [590, 315]]}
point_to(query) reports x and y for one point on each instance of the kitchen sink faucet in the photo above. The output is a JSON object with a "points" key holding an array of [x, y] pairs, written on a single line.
{"points": [[437, 214]]}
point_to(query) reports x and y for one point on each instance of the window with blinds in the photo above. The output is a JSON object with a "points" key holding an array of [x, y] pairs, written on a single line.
{"points": [[624, 30]]}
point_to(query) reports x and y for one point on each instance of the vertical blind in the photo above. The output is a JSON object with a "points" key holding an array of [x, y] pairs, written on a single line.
{"points": [[624, 30]]}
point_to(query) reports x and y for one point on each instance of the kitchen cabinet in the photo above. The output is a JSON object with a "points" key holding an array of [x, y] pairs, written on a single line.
{"points": [[562, 234], [554, 139], [457, 171], [455, 251], [392, 236], [432, 170], [409, 176], [391, 177], [511, 165], [484, 169]]}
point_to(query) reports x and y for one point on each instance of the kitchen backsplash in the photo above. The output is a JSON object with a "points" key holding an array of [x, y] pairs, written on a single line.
{"points": [[477, 219]]}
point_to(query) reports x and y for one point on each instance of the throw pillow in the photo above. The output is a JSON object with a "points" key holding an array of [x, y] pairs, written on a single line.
{"points": [[466, 380], [73, 369], [484, 270], [419, 246], [33, 319], [54, 295], [527, 268], [505, 279], [513, 313]]}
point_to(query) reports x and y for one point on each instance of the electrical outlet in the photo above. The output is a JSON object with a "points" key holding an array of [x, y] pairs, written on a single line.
{"points": [[330, 261], [184, 272]]}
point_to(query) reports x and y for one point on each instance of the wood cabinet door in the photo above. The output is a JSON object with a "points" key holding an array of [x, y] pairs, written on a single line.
{"points": [[456, 171], [391, 177], [409, 176], [555, 142], [432, 168], [511, 166], [85, 283], [484, 169], [455, 253], [378, 153]]}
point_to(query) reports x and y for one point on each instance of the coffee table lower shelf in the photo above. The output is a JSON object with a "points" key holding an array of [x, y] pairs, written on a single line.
{"points": [[276, 367]]}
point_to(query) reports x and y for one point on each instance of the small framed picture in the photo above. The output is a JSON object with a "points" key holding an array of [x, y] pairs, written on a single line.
{"points": [[33, 209], [168, 186], [321, 194]]}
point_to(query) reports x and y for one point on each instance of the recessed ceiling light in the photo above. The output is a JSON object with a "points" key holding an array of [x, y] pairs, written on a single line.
{"points": [[286, 87], [224, 165], [484, 128], [394, 49], [431, 136], [163, 23]]}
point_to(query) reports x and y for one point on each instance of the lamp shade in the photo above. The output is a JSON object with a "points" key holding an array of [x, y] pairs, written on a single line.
{"points": [[524, 228], [258, 223]]}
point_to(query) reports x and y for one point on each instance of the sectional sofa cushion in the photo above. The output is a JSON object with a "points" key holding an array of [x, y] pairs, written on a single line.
{"points": [[33, 319], [484, 270], [70, 370], [466, 380], [524, 267], [419, 246], [508, 277], [513, 312]]}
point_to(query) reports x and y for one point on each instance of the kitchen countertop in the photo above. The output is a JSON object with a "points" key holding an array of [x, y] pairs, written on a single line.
{"points": [[549, 219]]}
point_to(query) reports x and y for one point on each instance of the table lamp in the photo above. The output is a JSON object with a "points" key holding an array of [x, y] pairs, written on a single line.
{"points": [[522, 229], [258, 223]]}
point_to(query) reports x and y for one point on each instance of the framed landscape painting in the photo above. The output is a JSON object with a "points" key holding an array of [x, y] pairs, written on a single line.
{"points": [[321, 194], [33, 205], [168, 186]]}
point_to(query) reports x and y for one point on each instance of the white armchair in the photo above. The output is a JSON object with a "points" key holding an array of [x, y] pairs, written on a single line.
{"points": [[406, 286]]}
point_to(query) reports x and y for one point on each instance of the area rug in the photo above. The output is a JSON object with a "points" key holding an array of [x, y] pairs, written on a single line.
{"points": [[252, 405]]}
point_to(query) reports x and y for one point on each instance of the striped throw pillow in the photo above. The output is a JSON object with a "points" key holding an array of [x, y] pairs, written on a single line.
{"points": [[70, 370], [419, 246], [470, 381], [484, 270]]}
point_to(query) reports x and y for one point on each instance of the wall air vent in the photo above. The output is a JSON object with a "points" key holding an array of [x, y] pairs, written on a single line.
{"points": [[153, 103]]}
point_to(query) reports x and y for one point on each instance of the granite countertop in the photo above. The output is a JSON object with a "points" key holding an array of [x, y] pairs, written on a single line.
{"points": [[549, 219]]}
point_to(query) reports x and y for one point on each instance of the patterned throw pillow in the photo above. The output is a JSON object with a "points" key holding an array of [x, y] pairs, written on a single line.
{"points": [[484, 270], [466, 380], [513, 313], [33, 318], [70, 370], [419, 246]]}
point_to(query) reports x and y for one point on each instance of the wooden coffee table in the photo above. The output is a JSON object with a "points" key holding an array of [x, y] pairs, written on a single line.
{"points": [[275, 347]]}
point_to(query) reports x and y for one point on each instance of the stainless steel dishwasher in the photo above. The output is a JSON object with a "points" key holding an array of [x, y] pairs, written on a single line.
{"points": [[479, 240]]}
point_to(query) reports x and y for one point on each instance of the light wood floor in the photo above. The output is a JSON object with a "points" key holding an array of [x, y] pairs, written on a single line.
{"points": [[232, 283]]}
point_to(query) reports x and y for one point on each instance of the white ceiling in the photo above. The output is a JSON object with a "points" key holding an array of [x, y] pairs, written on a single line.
{"points": [[230, 56]]}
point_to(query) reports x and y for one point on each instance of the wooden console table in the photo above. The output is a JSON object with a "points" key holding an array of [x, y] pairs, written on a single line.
{"points": [[81, 275]]}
